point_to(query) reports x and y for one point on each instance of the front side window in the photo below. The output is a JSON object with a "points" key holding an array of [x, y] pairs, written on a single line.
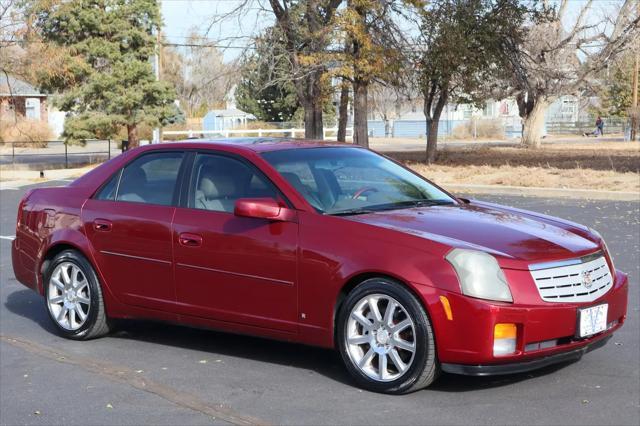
{"points": [[150, 179], [352, 180], [218, 182]]}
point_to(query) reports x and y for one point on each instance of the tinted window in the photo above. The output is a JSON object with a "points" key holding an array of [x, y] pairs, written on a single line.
{"points": [[108, 192], [150, 179], [219, 181], [339, 180]]}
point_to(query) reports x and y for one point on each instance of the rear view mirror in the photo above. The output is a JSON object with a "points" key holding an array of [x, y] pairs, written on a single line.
{"points": [[263, 208]]}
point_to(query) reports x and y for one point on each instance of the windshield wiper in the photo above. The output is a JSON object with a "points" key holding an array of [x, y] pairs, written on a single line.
{"points": [[420, 203], [351, 212], [392, 206]]}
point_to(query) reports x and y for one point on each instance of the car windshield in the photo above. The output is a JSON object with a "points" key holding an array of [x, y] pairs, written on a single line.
{"points": [[344, 181]]}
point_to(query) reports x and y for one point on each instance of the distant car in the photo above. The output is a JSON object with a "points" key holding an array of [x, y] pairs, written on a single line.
{"points": [[322, 244]]}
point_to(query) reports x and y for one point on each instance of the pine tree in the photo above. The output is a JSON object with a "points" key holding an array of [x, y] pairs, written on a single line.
{"points": [[108, 80]]}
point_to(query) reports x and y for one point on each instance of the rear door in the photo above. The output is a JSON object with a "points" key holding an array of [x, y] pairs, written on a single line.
{"points": [[229, 268], [128, 222]]}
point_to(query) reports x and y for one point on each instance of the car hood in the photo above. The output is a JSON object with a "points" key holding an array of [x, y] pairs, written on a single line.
{"points": [[509, 233]]}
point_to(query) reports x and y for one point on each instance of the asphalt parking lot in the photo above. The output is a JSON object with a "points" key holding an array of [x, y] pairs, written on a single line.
{"points": [[148, 373]]}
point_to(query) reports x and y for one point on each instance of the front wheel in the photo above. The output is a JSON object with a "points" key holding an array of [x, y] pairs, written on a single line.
{"points": [[385, 338], [74, 298]]}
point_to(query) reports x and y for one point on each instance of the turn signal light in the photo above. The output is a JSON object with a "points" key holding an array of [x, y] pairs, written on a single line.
{"points": [[447, 307], [504, 339]]}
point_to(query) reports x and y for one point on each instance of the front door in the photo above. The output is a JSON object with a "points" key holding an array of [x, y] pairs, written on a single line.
{"points": [[230, 268], [129, 225]]}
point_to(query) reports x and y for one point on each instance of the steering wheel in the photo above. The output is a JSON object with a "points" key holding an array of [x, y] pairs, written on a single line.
{"points": [[363, 190]]}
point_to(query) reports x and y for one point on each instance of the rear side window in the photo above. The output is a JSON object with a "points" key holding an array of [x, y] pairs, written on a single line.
{"points": [[150, 179]]}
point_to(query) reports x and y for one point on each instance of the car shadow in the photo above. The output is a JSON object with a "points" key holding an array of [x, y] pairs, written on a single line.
{"points": [[457, 383], [326, 362], [30, 305]]}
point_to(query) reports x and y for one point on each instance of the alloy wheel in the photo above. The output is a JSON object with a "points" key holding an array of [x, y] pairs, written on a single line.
{"points": [[69, 296], [380, 337]]}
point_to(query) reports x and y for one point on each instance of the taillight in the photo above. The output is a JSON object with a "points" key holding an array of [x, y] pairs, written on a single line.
{"points": [[21, 213]]}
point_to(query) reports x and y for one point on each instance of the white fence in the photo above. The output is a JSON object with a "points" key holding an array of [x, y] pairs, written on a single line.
{"points": [[327, 133]]}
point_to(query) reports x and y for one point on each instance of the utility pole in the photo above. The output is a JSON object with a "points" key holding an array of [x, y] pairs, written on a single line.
{"points": [[157, 59], [634, 100], [635, 111]]}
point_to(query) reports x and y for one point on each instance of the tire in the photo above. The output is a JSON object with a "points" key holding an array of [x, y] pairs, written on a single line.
{"points": [[407, 327], [73, 297]]}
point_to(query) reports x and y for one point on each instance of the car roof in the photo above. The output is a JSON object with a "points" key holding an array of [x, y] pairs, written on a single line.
{"points": [[256, 144]]}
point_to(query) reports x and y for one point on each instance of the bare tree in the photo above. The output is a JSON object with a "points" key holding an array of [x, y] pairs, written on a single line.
{"points": [[200, 76], [461, 50], [388, 103], [554, 61], [373, 51], [307, 29], [11, 33]]}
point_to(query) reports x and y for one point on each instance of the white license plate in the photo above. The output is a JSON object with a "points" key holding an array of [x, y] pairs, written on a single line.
{"points": [[592, 320]]}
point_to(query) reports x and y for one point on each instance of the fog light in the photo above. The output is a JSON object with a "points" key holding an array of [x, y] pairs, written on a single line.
{"points": [[504, 339]]}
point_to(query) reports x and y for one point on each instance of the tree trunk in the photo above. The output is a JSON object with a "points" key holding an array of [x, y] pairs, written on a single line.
{"points": [[310, 122], [533, 125], [433, 113], [432, 139], [318, 129], [311, 100], [132, 135], [360, 125], [343, 112]]}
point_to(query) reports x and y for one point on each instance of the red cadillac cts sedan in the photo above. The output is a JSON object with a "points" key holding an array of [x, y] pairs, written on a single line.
{"points": [[323, 244]]}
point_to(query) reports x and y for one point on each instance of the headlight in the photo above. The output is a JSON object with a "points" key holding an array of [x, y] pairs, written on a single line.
{"points": [[480, 275], [606, 250]]}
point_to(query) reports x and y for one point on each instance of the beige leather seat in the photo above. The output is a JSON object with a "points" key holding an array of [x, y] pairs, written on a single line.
{"points": [[216, 193]]}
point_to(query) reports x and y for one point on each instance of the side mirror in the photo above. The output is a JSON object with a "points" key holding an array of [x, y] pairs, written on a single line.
{"points": [[263, 208]]}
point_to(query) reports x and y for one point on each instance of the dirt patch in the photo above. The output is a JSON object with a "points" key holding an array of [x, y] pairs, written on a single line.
{"points": [[616, 157], [544, 177]]}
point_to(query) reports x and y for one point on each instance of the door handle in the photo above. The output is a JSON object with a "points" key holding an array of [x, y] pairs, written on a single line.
{"points": [[190, 240], [102, 225]]}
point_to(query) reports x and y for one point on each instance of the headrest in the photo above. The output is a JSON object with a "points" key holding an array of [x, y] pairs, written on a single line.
{"points": [[294, 180], [135, 176], [217, 186]]}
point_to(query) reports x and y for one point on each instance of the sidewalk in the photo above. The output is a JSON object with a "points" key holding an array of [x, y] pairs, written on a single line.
{"points": [[18, 178]]}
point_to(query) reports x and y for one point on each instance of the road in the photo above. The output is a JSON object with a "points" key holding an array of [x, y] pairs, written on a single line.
{"points": [[56, 155], [148, 373]]}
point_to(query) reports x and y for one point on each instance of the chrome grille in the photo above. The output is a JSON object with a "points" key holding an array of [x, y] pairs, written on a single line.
{"points": [[576, 280]]}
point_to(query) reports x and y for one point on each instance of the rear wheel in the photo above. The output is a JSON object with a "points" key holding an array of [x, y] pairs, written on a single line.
{"points": [[74, 298], [385, 338]]}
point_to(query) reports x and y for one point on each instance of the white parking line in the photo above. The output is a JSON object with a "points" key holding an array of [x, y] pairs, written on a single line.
{"points": [[7, 237]]}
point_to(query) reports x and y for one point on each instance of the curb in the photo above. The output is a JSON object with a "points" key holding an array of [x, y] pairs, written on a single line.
{"points": [[533, 191]]}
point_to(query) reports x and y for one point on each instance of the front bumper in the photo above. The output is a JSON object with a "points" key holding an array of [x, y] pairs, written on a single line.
{"points": [[545, 331], [521, 367]]}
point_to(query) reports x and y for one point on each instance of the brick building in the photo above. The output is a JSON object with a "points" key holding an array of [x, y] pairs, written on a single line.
{"points": [[19, 98]]}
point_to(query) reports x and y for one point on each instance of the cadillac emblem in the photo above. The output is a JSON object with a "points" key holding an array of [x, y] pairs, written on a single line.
{"points": [[587, 281]]}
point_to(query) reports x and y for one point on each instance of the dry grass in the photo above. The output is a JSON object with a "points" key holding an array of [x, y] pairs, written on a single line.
{"points": [[595, 145], [543, 177], [483, 129], [605, 156], [26, 133]]}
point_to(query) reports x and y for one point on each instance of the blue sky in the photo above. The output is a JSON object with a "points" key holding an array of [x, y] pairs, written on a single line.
{"points": [[180, 16]]}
